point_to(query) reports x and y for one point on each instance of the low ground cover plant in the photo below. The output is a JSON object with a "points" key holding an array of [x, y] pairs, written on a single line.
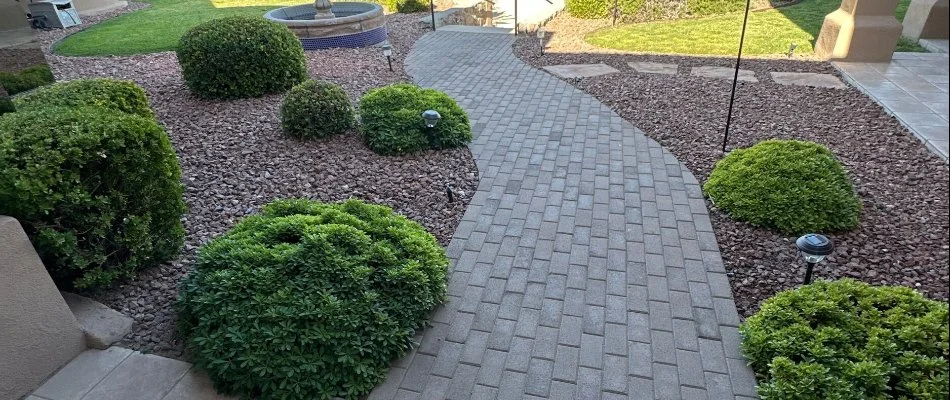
{"points": [[849, 340], [793, 186], [391, 120], [316, 109], [310, 300], [26, 79], [96, 190], [124, 96], [237, 57]]}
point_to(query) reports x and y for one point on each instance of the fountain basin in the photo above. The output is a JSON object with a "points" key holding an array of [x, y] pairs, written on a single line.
{"points": [[355, 25]]}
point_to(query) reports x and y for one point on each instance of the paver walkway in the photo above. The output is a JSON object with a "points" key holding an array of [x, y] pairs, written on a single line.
{"points": [[585, 266]]}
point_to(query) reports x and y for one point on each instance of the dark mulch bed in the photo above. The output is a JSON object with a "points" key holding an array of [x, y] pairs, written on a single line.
{"points": [[903, 237], [235, 159]]}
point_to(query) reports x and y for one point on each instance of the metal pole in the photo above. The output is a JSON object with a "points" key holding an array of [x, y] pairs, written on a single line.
{"points": [[615, 12], [390, 60], [735, 79], [516, 17], [808, 272], [432, 10]]}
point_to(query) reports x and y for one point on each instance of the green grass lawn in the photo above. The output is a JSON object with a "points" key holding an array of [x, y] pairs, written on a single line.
{"points": [[158, 27], [769, 32]]}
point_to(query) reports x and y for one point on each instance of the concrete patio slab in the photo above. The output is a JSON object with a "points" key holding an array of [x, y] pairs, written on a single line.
{"points": [[723, 73], [83, 373], [808, 79], [653, 68], [102, 325], [913, 87], [195, 385], [580, 70], [140, 377]]}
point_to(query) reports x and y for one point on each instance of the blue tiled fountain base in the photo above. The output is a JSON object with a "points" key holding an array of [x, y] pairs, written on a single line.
{"points": [[361, 39]]}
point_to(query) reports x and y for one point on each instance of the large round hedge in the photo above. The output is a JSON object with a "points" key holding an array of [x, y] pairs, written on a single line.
{"points": [[849, 340], [316, 109], [236, 57], [793, 186], [310, 300], [96, 190], [123, 96], [391, 120]]}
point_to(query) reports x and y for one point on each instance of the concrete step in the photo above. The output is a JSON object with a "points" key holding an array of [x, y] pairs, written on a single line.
{"points": [[102, 325]]}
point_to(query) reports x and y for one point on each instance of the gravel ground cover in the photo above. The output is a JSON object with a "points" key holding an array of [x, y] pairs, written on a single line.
{"points": [[903, 234], [235, 159]]}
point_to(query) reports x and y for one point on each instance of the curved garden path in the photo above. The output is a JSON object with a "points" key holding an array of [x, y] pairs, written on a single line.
{"points": [[585, 265]]}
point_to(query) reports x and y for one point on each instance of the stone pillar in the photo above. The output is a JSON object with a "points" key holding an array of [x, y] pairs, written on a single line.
{"points": [[861, 30], [927, 19], [38, 333]]}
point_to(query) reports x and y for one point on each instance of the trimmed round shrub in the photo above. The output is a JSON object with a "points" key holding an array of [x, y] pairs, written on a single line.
{"points": [[96, 190], [26, 79], [793, 186], [403, 6], [849, 340], [236, 57], [310, 300], [123, 96], [391, 120], [316, 109]]}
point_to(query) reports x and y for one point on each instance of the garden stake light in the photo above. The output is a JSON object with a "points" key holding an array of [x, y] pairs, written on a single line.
{"points": [[431, 118], [791, 49], [388, 52], [813, 248], [432, 11], [541, 38], [735, 79]]}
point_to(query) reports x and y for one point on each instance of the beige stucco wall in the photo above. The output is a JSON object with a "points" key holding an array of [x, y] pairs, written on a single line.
{"points": [[96, 7], [927, 19], [14, 28], [861, 30], [38, 333]]}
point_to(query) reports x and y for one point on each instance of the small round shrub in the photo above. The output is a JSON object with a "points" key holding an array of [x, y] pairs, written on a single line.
{"points": [[403, 6], [26, 79], [96, 190], [391, 120], [849, 340], [793, 186], [236, 57], [123, 96], [310, 300], [316, 109]]}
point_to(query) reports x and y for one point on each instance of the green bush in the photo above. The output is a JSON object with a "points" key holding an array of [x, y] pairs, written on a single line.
{"points": [[237, 57], [310, 300], [588, 9], [793, 186], [849, 340], [26, 79], [316, 109], [403, 6], [6, 105], [96, 190], [392, 123], [123, 96]]}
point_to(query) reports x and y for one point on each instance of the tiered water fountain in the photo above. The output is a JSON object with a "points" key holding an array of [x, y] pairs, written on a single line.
{"points": [[325, 25]]}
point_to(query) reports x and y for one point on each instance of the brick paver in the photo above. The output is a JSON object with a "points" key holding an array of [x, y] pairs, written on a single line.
{"points": [[585, 265]]}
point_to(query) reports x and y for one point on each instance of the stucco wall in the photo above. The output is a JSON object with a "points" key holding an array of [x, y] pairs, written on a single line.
{"points": [[38, 333], [95, 7]]}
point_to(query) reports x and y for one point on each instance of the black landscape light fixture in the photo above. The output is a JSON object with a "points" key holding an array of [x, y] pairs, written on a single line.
{"points": [[541, 38], [813, 248], [735, 79], [432, 11], [388, 52], [431, 118]]}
